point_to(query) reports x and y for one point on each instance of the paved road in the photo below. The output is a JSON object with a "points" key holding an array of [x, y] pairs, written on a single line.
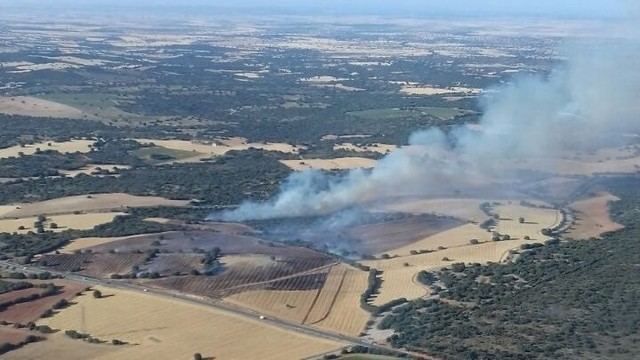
{"points": [[219, 305]]}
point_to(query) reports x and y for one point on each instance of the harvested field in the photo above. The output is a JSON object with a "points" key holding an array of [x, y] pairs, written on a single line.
{"points": [[463, 208], [31, 106], [167, 328], [458, 236], [64, 222], [66, 147], [592, 217], [384, 236], [60, 346], [346, 316], [330, 164], [535, 219], [430, 90], [327, 295], [31, 311], [289, 305], [83, 243], [94, 170], [399, 273], [203, 150], [378, 148], [90, 203]]}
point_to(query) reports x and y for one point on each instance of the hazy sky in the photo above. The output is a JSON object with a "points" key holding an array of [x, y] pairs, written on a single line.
{"points": [[559, 8]]}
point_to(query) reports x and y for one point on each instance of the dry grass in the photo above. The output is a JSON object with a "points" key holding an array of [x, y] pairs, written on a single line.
{"points": [[399, 273], [64, 222], [593, 217], [91, 169], [31, 106], [379, 148], [344, 163], [166, 328], [88, 203], [71, 146], [463, 208], [346, 316], [203, 150], [459, 236], [292, 305], [83, 243], [430, 90], [59, 346]]}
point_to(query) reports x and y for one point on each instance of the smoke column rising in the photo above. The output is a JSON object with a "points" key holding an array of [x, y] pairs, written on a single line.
{"points": [[582, 105]]}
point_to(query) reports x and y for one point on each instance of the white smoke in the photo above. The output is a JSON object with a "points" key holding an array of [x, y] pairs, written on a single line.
{"points": [[586, 103]]}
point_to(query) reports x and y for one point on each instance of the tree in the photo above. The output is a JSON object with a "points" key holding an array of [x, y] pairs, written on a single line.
{"points": [[53, 226], [474, 241], [97, 294], [521, 220], [197, 356]]}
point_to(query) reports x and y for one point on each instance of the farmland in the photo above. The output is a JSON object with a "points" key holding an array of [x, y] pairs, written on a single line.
{"points": [[593, 217], [88, 203], [330, 164], [169, 328], [31, 106], [399, 273], [65, 147]]}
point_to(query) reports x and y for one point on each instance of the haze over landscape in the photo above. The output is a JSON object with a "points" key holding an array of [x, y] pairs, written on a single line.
{"points": [[319, 179]]}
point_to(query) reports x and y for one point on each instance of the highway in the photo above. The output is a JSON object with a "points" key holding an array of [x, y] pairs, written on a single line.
{"points": [[217, 304]]}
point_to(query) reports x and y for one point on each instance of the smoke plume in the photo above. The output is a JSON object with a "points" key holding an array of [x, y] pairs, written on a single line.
{"points": [[586, 103]]}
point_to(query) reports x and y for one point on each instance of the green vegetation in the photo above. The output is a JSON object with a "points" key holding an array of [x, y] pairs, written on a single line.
{"points": [[570, 300]]}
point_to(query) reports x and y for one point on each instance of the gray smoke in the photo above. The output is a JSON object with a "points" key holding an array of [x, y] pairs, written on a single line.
{"points": [[586, 103]]}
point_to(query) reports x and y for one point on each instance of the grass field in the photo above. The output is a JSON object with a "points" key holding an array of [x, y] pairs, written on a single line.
{"points": [[462, 208], [379, 148], [71, 146], [63, 222], [458, 236], [166, 328], [194, 151], [89, 203], [284, 304], [345, 315], [399, 273], [344, 163], [592, 217], [31, 106], [91, 169]]}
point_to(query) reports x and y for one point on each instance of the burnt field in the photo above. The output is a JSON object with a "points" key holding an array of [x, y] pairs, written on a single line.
{"points": [[355, 233]]}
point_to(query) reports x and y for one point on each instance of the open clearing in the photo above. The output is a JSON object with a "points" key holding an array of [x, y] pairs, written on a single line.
{"points": [[593, 217], [63, 222], [342, 299], [344, 163], [94, 169], [89, 203], [378, 148], [459, 236], [172, 329], [426, 90], [285, 304], [66, 147], [60, 346], [31, 106], [463, 208], [204, 150], [399, 273]]}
